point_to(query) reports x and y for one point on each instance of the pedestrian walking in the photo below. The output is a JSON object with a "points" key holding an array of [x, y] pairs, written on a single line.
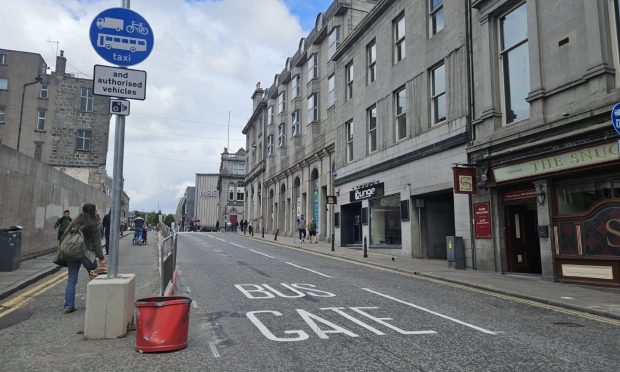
{"points": [[217, 225], [62, 223], [250, 229], [90, 226], [106, 231], [301, 226], [312, 229]]}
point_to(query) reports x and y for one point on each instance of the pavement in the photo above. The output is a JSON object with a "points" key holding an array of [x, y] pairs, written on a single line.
{"points": [[594, 300]]}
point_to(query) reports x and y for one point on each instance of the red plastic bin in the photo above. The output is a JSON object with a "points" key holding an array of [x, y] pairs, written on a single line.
{"points": [[162, 323]]}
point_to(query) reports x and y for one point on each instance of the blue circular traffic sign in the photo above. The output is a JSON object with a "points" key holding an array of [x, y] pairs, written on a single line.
{"points": [[121, 36], [615, 117]]}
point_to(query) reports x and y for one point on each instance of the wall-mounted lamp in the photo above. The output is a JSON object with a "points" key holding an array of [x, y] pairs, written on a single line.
{"points": [[334, 173], [540, 195]]}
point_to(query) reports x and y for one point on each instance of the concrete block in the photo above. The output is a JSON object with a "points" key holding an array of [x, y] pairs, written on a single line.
{"points": [[109, 306]]}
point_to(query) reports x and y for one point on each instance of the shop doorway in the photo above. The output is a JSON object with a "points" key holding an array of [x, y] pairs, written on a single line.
{"points": [[522, 244], [351, 224]]}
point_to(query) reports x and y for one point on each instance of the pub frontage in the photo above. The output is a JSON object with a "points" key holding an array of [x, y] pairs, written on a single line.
{"points": [[553, 213]]}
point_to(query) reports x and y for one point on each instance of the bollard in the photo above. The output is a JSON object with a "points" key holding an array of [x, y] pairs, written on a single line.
{"points": [[365, 248], [276, 237], [332, 242], [263, 232]]}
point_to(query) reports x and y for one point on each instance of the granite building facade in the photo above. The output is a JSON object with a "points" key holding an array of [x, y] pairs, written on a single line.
{"points": [[61, 122]]}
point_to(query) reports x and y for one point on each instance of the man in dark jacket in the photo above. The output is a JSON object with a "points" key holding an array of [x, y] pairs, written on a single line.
{"points": [[62, 223]]}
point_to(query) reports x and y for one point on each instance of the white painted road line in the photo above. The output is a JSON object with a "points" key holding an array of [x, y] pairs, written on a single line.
{"points": [[266, 255], [305, 268], [237, 245], [432, 312], [214, 350]]}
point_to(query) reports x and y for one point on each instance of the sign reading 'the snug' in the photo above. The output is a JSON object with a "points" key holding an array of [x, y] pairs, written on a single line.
{"points": [[367, 192], [568, 160]]}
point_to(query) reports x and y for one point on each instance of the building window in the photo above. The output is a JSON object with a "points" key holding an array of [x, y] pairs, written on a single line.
{"points": [[349, 145], [313, 110], [371, 61], [436, 16], [371, 114], [282, 135], [438, 94], [4, 84], [399, 38], [295, 88], [84, 139], [240, 194], [295, 121], [270, 145], [231, 192], [331, 91], [43, 92], [38, 150], [41, 121], [313, 67], [2, 114], [2, 59], [281, 102], [400, 111], [86, 99], [333, 41], [270, 115], [514, 55], [348, 71], [238, 168]]}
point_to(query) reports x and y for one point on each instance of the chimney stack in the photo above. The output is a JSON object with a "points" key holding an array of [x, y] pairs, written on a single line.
{"points": [[257, 96], [61, 63]]}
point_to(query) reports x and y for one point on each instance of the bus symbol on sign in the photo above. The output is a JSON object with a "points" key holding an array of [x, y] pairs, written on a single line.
{"points": [[121, 36], [615, 117]]}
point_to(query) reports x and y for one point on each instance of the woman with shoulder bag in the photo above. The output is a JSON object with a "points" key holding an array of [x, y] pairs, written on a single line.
{"points": [[89, 224]]}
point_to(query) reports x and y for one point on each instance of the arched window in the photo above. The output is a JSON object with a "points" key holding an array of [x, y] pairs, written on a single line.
{"points": [[231, 191]]}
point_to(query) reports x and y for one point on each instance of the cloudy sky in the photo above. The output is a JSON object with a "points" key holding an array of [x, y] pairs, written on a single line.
{"points": [[207, 58]]}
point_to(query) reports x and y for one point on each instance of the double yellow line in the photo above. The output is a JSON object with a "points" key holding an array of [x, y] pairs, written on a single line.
{"points": [[23, 298]]}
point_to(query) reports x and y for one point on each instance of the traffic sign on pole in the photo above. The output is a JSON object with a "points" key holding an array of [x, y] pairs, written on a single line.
{"points": [[121, 36], [119, 82], [615, 117], [119, 107]]}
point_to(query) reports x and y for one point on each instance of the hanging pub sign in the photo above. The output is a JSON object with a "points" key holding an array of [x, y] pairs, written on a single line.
{"points": [[464, 180], [367, 191]]}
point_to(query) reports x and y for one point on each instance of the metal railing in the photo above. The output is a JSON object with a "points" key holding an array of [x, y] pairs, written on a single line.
{"points": [[167, 244]]}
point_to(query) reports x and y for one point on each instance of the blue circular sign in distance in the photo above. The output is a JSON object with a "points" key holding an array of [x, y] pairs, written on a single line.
{"points": [[615, 117], [121, 36]]}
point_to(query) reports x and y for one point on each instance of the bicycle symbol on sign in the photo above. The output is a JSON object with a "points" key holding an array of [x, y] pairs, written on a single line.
{"points": [[135, 26]]}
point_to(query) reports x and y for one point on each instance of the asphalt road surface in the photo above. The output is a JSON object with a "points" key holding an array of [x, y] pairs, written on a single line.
{"points": [[263, 307]]}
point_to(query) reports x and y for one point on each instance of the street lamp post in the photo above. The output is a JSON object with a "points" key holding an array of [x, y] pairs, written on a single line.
{"points": [[37, 80]]}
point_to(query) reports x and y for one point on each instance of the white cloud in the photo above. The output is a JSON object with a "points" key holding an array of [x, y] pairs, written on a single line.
{"points": [[207, 58]]}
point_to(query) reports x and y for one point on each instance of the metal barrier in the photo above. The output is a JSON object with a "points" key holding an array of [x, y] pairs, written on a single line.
{"points": [[167, 244]]}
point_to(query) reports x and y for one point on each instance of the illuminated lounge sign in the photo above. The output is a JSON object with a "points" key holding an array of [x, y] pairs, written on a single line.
{"points": [[367, 191]]}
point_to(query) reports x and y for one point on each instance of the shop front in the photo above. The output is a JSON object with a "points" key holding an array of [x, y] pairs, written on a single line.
{"points": [[561, 215], [375, 215]]}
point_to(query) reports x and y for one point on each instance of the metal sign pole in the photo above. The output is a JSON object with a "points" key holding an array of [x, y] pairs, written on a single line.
{"points": [[117, 189]]}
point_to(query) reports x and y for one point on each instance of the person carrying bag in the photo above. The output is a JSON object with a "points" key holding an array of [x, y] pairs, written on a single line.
{"points": [[81, 246]]}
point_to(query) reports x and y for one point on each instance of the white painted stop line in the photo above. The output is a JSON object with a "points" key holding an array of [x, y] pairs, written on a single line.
{"points": [[432, 312]]}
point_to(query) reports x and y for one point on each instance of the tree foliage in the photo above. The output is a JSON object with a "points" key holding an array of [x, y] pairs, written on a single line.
{"points": [[169, 219]]}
